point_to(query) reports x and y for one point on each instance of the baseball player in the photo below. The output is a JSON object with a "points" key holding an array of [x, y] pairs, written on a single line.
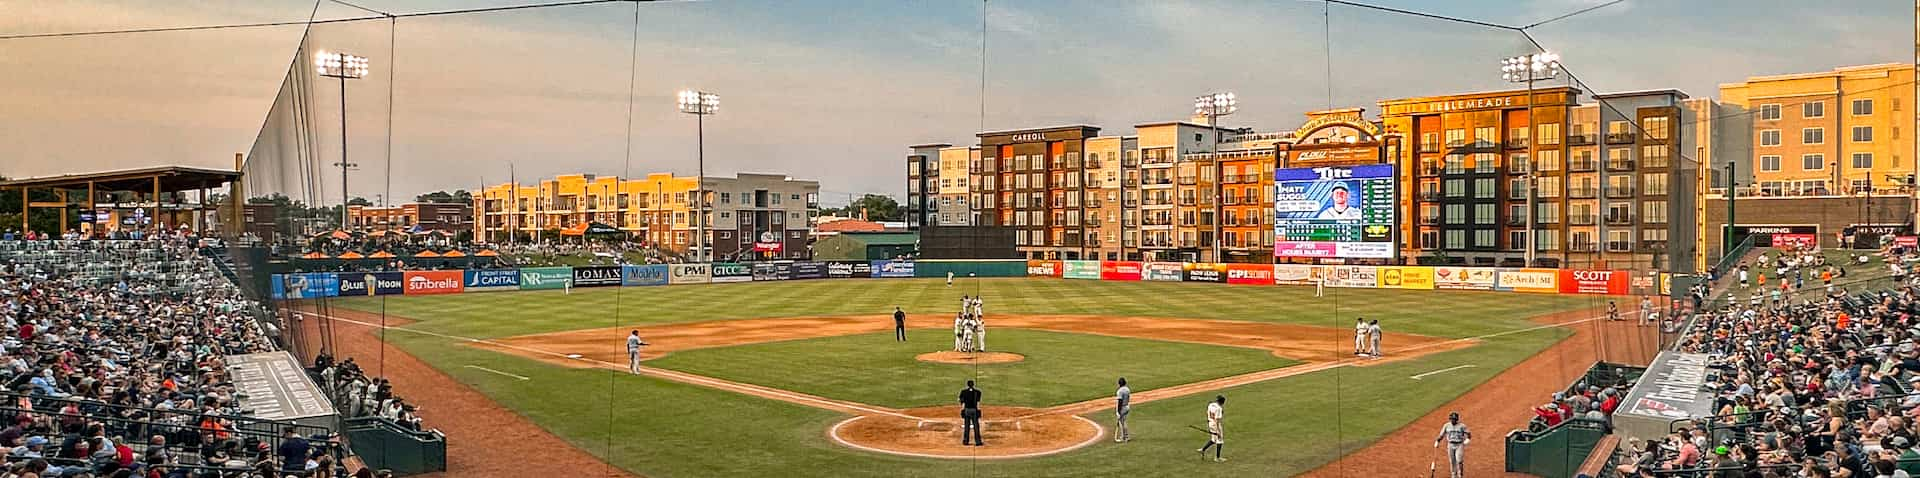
{"points": [[633, 351], [970, 415], [979, 333], [1613, 311], [957, 334], [1123, 406], [1457, 438], [1216, 433], [1359, 336], [949, 278], [899, 324], [1373, 336], [979, 307]]}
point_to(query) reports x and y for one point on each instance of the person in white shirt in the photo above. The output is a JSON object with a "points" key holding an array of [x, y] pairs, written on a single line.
{"points": [[1216, 431], [633, 351], [1359, 336], [1339, 207]]}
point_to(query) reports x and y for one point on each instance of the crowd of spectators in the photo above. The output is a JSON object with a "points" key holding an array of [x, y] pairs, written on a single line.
{"points": [[112, 358], [358, 395]]}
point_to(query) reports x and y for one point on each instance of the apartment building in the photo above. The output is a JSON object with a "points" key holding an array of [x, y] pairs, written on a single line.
{"points": [[952, 208], [761, 216], [660, 209], [1844, 131], [444, 217], [923, 184], [1033, 180]]}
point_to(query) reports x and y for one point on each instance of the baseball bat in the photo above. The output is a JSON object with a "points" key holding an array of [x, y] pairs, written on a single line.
{"points": [[1209, 432], [1432, 464]]}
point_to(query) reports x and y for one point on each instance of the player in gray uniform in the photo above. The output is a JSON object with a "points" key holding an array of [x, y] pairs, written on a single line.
{"points": [[1373, 336], [633, 351], [1124, 406], [1457, 438]]}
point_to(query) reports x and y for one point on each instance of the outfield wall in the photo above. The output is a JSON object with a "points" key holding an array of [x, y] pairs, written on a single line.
{"points": [[1543, 281]]}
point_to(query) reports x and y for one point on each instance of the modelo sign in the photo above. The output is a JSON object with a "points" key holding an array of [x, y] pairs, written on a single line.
{"points": [[434, 282], [486, 280], [731, 272], [1574, 281], [545, 278], [371, 283], [678, 274], [849, 270], [892, 269], [1120, 270], [643, 275]]}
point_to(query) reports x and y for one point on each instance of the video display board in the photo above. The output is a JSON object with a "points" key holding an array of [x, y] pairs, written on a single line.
{"points": [[1334, 211]]}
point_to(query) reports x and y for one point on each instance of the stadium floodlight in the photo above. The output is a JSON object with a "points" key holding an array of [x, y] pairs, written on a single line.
{"points": [[1213, 106], [1217, 104], [699, 104], [333, 64]]}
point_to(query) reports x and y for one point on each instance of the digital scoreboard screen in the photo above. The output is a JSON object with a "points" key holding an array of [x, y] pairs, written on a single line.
{"points": [[1334, 211]]}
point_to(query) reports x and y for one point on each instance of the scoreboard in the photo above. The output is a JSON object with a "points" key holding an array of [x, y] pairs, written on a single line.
{"points": [[1334, 211]]}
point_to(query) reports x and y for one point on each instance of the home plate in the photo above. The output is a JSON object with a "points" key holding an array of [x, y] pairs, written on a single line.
{"points": [[573, 356]]}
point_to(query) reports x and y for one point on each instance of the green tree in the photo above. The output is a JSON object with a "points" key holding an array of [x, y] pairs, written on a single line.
{"points": [[878, 207], [458, 196]]}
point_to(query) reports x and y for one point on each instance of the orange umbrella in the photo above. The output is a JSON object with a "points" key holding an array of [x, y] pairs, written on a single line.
{"points": [[341, 235], [576, 230], [352, 255], [454, 254], [313, 255], [381, 255], [486, 253], [427, 254]]}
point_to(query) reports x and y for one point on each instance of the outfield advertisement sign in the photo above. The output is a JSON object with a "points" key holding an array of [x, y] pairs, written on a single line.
{"points": [[1205, 272], [1574, 281], [1043, 268], [545, 278], [1164, 271], [1407, 277], [766, 271], [1366, 277], [678, 274], [596, 276], [809, 270], [434, 282], [1468, 278], [1121, 270], [305, 286], [730, 272], [1528, 280], [644, 275], [1080, 269], [1250, 274], [892, 269], [372, 283], [846, 270], [491, 280], [1295, 274]]}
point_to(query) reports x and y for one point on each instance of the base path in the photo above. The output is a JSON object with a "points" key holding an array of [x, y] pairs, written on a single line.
{"points": [[1505, 402]]}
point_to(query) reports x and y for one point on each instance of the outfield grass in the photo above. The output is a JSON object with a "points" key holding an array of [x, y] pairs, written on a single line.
{"points": [[1060, 368], [661, 428]]}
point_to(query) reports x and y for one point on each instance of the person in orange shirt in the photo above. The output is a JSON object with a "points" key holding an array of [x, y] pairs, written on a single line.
{"points": [[1826, 275], [1763, 280], [1841, 320]]}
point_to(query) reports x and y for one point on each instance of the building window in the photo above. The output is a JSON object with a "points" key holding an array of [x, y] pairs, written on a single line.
{"points": [[1456, 138], [1485, 163], [1546, 239], [1483, 238], [1770, 163], [1484, 136], [1862, 160], [1547, 187], [1485, 214], [1456, 188], [1862, 134], [1813, 162], [1770, 111], [1456, 239], [726, 198], [1548, 213], [1653, 156], [1549, 133], [1656, 127], [1654, 211], [1656, 183], [1429, 239], [1483, 188], [1813, 109], [1862, 107], [1769, 137], [1429, 142], [1813, 136], [1456, 214], [1548, 159]]}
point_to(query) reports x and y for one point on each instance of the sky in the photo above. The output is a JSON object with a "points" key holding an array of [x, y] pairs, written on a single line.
{"points": [[827, 90]]}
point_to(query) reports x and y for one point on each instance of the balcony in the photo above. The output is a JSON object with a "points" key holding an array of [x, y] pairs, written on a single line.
{"points": [[1186, 201], [1188, 181], [1619, 246], [1230, 200], [1093, 164], [1429, 148], [1579, 139], [1619, 219], [1481, 145], [1578, 165], [1250, 200], [1581, 193], [1429, 220], [1518, 143], [1548, 220], [1129, 223], [1129, 203], [1129, 163], [1159, 182], [1580, 219], [1620, 165], [1429, 195], [1619, 138], [1516, 220], [1131, 183], [1619, 192], [1580, 247], [1653, 245], [1430, 171], [1157, 222]]}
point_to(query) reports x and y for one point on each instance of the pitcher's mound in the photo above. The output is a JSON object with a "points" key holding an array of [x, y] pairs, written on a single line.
{"points": [[934, 432], [969, 358]]}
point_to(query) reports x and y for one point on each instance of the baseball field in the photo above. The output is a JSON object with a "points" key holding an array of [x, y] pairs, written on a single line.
{"points": [[805, 378]]}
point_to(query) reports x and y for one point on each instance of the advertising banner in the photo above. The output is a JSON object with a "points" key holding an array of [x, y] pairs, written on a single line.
{"points": [[1666, 283], [371, 283], [892, 269], [434, 282], [1593, 282], [1205, 272], [1043, 268], [1906, 241], [1671, 389], [545, 278], [1121, 270], [731, 272], [305, 286], [678, 274], [783, 270], [1406, 277], [1795, 240], [1528, 280], [1250, 274], [655, 274], [765, 271], [1367, 277], [1334, 211], [1467, 278], [1080, 269], [491, 279], [809, 270], [596, 276], [843, 270], [1164, 271], [1296, 274]]}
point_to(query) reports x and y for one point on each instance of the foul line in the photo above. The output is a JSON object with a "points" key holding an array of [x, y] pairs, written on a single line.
{"points": [[522, 377], [1441, 371]]}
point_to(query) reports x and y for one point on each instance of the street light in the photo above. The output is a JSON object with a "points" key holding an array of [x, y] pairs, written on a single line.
{"points": [[700, 104], [1527, 69], [1214, 106], [345, 67]]}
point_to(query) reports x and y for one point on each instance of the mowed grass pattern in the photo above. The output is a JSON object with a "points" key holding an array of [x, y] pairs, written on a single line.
{"points": [[1059, 368], [660, 428]]}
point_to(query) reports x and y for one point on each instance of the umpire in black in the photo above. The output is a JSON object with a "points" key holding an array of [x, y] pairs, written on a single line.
{"points": [[970, 415], [899, 325]]}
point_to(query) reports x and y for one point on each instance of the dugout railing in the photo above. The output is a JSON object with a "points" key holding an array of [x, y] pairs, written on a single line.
{"points": [[1560, 450]]}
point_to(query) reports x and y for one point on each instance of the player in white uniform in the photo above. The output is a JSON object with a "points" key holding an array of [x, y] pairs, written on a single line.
{"points": [[949, 278], [1373, 336], [979, 333], [1457, 438], [633, 351], [1216, 432], [970, 335], [1359, 336], [957, 335]]}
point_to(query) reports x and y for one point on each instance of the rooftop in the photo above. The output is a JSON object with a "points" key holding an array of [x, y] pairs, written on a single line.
{"points": [[172, 179]]}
